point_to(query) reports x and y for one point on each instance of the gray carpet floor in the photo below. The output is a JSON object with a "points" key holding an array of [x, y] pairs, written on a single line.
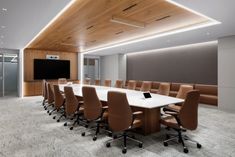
{"points": [[26, 130]]}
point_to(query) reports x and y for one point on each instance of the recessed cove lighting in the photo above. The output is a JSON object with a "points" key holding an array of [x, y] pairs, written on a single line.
{"points": [[53, 20]]}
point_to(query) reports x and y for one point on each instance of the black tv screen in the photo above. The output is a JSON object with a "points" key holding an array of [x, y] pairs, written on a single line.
{"points": [[51, 69]]}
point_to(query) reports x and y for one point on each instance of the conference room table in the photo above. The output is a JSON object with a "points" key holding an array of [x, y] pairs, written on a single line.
{"points": [[149, 106]]}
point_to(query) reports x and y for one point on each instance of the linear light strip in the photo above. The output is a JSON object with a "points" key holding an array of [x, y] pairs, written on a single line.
{"points": [[175, 47], [104, 47], [53, 20]]}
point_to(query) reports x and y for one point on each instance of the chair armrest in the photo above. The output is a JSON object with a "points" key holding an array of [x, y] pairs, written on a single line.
{"points": [[137, 113], [105, 107], [171, 113], [81, 102]]}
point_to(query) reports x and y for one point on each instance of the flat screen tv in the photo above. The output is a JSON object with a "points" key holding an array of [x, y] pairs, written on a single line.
{"points": [[51, 69]]}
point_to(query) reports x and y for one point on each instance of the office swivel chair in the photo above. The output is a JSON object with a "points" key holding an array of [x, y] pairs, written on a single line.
{"points": [[146, 86], [164, 89], [50, 96], [119, 84], [186, 118], [87, 81], [184, 89], [59, 101], [73, 107], [97, 82], [93, 109], [107, 83], [44, 92], [121, 118], [131, 84]]}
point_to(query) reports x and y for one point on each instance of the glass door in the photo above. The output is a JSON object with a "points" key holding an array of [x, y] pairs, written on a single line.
{"points": [[1, 76], [91, 68], [8, 74]]}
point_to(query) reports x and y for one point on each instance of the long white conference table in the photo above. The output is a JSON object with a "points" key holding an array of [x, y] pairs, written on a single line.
{"points": [[149, 106]]}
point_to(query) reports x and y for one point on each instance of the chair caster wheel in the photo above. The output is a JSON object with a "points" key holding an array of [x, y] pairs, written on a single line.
{"points": [[165, 144], [86, 126], [199, 145], [140, 145], [115, 136], [185, 150], [108, 145], [83, 134], [94, 138], [71, 119], [54, 117], [58, 120], [110, 134], [71, 128], [65, 124], [49, 114], [124, 150], [48, 111], [45, 108], [167, 137]]}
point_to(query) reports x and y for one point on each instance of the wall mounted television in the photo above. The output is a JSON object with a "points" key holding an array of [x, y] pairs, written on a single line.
{"points": [[51, 69]]}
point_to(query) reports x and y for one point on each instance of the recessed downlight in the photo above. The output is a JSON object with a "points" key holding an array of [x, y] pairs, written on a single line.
{"points": [[4, 9], [3, 27]]}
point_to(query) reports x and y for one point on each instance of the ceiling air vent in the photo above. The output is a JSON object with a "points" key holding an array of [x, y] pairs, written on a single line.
{"points": [[131, 6], [89, 27], [162, 18], [120, 32]]}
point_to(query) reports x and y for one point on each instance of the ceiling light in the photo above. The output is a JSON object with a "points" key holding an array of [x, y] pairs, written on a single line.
{"points": [[127, 22], [4, 9], [3, 27]]}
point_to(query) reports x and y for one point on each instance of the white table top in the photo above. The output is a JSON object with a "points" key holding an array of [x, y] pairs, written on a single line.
{"points": [[135, 98]]}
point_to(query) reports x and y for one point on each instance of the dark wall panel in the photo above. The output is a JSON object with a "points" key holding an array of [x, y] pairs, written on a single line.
{"points": [[190, 64]]}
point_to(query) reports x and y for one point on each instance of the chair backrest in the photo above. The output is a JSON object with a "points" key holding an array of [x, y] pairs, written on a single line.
{"points": [[62, 81], [87, 81], [131, 84], [44, 89], [92, 104], [107, 83], [120, 114], [164, 89], [50, 94], [97, 82], [119, 84], [188, 114], [59, 99], [146, 86], [184, 89], [71, 102], [76, 81]]}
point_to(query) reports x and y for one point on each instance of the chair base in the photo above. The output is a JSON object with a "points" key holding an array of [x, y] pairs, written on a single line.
{"points": [[125, 136], [181, 139]]}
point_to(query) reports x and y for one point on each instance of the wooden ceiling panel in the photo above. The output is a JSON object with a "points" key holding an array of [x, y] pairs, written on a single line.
{"points": [[87, 23]]}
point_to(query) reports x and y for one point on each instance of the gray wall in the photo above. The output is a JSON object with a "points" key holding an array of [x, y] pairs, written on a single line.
{"points": [[189, 64], [226, 73]]}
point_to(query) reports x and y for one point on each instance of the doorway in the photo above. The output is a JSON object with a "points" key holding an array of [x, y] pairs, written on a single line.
{"points": [[8, 74]]}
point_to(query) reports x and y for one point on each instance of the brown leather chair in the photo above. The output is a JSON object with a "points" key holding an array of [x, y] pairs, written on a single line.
{"points": [[44, 92], [50, 96], [62, 81], [87, 81], [155, 87], [186, 118], [184, 89], [59, 100], [164, 89], [121, 118], [73, 107], [107, 83], [97, 82], [208, 94], [138, 85], [146, 86], [131, 84], [119, 84], [76, 82], [93, 109]]}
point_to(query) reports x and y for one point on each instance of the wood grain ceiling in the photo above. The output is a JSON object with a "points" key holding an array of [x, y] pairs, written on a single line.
{"points": [[87, 23]]}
